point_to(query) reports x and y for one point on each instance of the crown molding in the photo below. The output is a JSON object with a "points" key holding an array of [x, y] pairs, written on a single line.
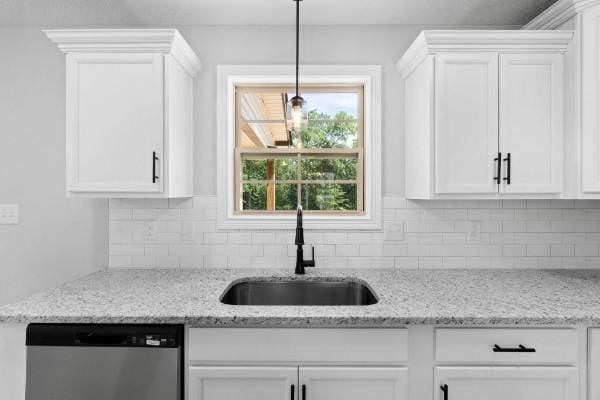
{"points": [[470, 41], [560, 12], [167, 41]]}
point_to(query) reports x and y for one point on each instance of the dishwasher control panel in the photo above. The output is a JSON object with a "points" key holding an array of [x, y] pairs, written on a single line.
{"points": [[154, 340], [105, 335]]}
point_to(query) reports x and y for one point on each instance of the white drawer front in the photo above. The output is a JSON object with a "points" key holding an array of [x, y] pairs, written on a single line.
{"points": [[266, 345], [503, 346]]}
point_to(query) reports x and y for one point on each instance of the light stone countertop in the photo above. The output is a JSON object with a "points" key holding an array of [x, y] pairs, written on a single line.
{"points": [[441, 297]]}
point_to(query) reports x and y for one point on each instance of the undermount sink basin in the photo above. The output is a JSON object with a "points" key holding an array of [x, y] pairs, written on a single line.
{"points": [[299, 293]]}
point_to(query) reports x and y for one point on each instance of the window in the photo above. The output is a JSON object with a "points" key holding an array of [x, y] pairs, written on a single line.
{"points": [[333, 169], [320, 168]]}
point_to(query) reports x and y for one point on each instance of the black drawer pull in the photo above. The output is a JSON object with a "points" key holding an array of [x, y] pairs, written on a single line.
{"points": [[293, 389], [498, 161], [303, 392], [154, 159], [445, 391], [520, 349], [507, 178]]}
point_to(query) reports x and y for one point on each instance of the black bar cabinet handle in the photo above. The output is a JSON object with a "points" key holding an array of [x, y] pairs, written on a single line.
{"points": [[445, 391], [507, 178], [293, 389], [518, 349], [154, 159], [498, 161], [303, 392]]}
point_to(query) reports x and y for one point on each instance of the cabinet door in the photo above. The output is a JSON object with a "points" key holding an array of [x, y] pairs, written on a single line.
{"points": [[247, 383], [501, 383], [594, 364], [326, 383], [531, 122], [466, 123], [589, 66], [114, 122]]}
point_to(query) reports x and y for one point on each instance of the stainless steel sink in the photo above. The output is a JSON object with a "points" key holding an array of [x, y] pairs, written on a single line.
{"points": [[299, 293]]}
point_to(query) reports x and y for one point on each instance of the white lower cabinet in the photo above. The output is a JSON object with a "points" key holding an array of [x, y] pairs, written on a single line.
{"points": [[327, 383], [248, 383], [501, 383], [415, 363], [282, 383]]}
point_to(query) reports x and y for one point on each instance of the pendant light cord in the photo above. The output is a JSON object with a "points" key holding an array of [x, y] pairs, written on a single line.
{"points": [[297, 41]]}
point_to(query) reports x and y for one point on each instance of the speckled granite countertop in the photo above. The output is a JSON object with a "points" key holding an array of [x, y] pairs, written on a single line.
{"points": [[447, 297]]}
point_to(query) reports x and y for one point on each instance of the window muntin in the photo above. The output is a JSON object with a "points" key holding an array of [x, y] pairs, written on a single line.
{"points": [[322, 169]]}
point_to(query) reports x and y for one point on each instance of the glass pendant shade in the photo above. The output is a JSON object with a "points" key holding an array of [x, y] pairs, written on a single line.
{"points": [[297, 117]]}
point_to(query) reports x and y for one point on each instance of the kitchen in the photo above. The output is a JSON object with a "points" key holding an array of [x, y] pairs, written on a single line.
{"points": [[453, 252]]}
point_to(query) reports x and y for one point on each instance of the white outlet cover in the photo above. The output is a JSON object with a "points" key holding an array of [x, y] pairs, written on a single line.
{"points": [[9, 214], [474, 234], [393, 231], [150, 231]]}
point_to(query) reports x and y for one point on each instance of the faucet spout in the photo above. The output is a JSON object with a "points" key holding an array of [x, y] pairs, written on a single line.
{"points": [[299, 229]]}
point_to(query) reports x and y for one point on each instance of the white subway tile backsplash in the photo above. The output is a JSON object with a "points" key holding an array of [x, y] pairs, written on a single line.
{"points": [[514, 234], [156, 249], [117, 237], [116, 214], [562, 250], [538, 250], [348, 250], [514, 203], [126, 250], [586, 250]]}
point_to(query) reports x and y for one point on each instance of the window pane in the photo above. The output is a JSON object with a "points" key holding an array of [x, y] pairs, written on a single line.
{"points": [[286, 169], [254, 196], [271, 172], [286, 196], [262, 118], [331, 197], [329, 168], [330, 104], [254, 169], [339, 133], [263, 134]]}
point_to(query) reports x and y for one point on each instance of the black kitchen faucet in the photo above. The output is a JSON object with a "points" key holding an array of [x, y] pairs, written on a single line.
{"points": [[301, 263]]}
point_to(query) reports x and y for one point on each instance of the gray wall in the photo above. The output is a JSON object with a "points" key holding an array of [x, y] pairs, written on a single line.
{"points": [[381, 44], [58, 239]]}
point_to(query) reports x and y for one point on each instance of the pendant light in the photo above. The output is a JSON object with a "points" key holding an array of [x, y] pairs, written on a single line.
{"points": [[297, 117]]}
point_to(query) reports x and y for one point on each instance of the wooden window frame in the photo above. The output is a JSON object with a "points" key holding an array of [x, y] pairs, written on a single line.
{"points": [[231, 76], [300, 153]]}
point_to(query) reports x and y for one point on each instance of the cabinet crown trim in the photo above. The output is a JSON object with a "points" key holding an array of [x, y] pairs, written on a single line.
{"points": [[559, 12], [430, 42], [167, 41]]}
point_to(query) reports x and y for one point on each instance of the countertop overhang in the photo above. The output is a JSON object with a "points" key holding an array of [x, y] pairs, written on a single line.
{"points": [[406, 297]]}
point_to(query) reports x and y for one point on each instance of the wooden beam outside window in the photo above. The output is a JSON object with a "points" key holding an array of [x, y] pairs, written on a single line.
{"points": [[271, 185]]}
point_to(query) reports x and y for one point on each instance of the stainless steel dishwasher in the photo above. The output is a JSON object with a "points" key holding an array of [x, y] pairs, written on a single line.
{"points": [[104, 362]]}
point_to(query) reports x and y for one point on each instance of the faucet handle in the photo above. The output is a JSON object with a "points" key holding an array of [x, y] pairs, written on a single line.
{"points": [[311, 262]]}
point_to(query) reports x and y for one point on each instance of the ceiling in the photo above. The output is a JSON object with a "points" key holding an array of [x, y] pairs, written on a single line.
{"points": [[78, 13]]}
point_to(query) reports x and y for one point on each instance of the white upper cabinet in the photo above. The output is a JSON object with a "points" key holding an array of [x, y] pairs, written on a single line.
{"points": [[484, 114], [582, 91], [466, 117], [531, 123], [129, 105]]}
